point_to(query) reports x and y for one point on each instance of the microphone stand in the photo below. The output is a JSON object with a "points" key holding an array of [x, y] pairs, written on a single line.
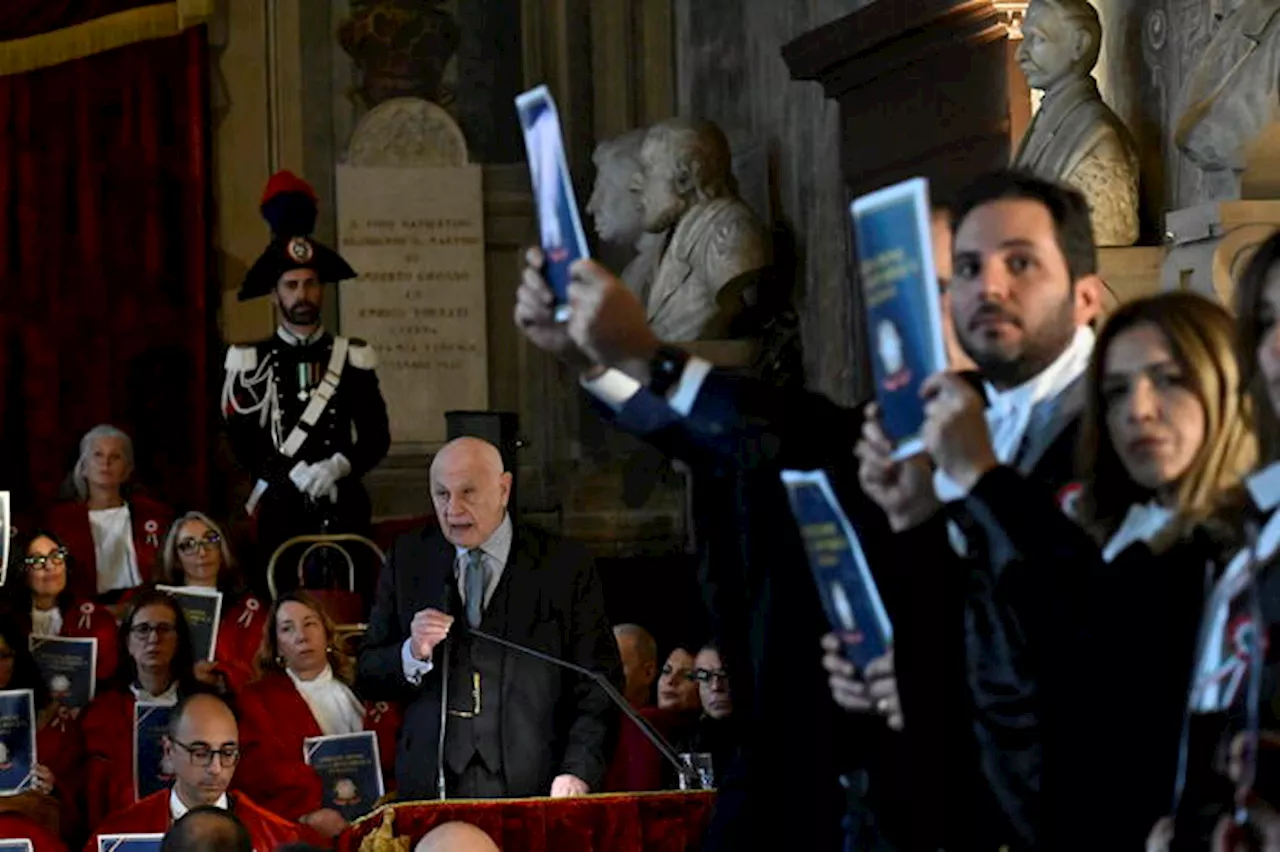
{"points": [[659, 742], [444, 718]]}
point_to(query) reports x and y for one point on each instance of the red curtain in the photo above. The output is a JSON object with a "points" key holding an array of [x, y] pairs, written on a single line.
{"points": [[105, 276]]}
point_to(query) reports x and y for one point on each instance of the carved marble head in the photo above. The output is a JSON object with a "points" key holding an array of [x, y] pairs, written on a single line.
{"points": [[1061, 40], [613, 207], [682, 162]]}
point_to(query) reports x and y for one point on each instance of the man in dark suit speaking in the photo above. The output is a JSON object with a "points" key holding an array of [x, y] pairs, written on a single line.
{"points": [[514, 726]]}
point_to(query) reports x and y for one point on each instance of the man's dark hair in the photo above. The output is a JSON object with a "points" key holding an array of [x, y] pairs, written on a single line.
{"points": [[207, 829], [1067, 206]]}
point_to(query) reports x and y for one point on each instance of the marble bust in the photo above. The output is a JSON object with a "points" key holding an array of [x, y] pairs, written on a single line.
{"points": [[1230, 101], [704, 277], [615, 210], [1075, 138]]}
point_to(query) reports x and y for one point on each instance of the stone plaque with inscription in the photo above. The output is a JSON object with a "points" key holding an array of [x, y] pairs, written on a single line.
{"points": [[415, 235]]}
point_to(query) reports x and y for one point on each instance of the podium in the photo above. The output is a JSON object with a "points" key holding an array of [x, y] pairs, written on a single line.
{"points": [[628, 822]]}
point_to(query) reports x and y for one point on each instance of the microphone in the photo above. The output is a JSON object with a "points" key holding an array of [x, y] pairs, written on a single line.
{"points": [[659, 742]]}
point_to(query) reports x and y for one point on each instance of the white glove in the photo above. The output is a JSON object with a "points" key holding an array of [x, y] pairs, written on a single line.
{"points": [[322, 477]]}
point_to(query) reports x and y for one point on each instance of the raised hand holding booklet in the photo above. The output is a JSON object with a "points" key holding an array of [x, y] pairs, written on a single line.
{"points": [[69, 667], [350, 771], [203, 610], [562, 238], [17, 740], [848, 591], [129, 842], [151, 770], [902, 301]]}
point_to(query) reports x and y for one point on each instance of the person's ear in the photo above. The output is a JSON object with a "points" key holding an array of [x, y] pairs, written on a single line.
{"points": [[684, 177], [504, 483], [1081, 44], [1088, 299]]}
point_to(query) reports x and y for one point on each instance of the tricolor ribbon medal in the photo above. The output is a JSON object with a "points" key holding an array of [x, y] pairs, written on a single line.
{"points": [[152, 529], [86, 613], [379, 709], [250, 607]]}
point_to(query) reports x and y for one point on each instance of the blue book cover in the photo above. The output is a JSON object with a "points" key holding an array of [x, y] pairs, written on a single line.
{"points": [[20, 845], [129, 842], [561, 236], [6, 532], [69, 666], [350, 771], [17, 740], [848, 591], [151, 769], [203, 610], [902, 304]]}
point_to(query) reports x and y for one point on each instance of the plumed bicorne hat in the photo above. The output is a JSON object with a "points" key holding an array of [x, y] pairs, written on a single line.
{"points": [[289, 206]]}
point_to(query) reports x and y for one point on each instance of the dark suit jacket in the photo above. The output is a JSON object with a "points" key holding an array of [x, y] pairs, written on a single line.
{"points": [[553, 721]]}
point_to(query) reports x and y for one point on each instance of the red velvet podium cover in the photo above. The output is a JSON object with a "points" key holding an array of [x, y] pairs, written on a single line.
{"points": [[630, 822]]}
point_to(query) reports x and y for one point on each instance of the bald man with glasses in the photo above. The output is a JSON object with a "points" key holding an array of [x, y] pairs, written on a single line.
{"points": [[203, 747]]}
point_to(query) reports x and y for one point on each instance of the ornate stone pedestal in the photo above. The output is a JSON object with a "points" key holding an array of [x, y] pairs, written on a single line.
{"points": [[1211, 243]]}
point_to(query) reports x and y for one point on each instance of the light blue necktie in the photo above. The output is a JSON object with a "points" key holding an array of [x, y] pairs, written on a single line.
{"points": [[475, 583]]}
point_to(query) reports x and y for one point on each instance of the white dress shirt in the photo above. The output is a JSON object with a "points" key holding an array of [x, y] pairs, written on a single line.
{"points": [[46, 622], [169, 696], [335, 706], [177, 810], [614, 387], [1143, 522], [113, 546], [495, 550]]}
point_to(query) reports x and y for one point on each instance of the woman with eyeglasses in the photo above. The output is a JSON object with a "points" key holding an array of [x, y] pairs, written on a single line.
{"points": [[49, 807], [304, 691], [196, 553], [112, 527], [156, 666], [45, 605]]}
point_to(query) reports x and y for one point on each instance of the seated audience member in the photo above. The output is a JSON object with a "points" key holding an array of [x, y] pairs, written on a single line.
{"points": [[636, 764], [677, 688], [717, 732], [639, 663], [1165, 442], [456, 837], [156, 665], [204, 747], [304, 691], [113, 530], [196, 553], [207, 828], [45, 606], [49, 806]]}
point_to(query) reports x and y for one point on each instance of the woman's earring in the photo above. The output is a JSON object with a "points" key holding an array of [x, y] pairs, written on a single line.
{"points": [[279, 661]]}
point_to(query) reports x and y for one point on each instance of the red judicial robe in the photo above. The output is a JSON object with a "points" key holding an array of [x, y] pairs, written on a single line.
{"points": [[636, 764], [86, 620], [274, 721], [108, 739], [15, 826], [70, 521], [239, 636], [60, 747], [151, 816]]}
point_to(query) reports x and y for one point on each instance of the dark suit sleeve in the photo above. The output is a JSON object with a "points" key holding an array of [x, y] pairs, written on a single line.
{"points": [[746, 421], [590, 644], [369, 414], [379, 672]]}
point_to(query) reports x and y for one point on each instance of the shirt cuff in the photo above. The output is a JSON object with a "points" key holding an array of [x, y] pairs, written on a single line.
{"points": [[684, 393], [615, 388], [414, 669], [612, 387]]}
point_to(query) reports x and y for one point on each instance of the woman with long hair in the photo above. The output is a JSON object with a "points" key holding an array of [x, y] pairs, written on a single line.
{"points": [[196, 553], [49, 808], [304, 691], [44, 604], [156, 666], [1107, 606], [113, 529]]}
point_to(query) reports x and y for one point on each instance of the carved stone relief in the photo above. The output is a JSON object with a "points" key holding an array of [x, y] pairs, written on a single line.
{"points": [[407, 132]]}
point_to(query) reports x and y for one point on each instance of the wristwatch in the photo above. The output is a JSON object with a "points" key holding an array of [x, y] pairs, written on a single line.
{"points": [[665, 368]]}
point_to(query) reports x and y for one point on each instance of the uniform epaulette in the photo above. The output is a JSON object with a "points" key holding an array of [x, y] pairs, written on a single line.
{"points": [[241, 359], [361, 355]]}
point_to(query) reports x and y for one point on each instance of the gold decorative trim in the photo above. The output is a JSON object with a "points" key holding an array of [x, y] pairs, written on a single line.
{"points": [[160, 20]]}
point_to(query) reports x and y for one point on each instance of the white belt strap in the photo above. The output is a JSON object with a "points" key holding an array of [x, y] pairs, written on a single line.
{"points": [[320, 397]]}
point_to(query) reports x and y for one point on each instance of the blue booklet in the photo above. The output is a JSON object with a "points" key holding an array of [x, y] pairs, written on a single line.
{"points": [[350, 771], [561, 236], [848, 591], [6, 532], [129, 842], [20, 845], [203, 610], [903, 304], [17, 740], [69, 666], [151, 769]]}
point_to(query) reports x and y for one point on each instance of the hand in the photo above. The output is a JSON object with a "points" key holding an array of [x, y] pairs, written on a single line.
{"points": [[207, 672], [1262, 832], [42, 779], [566, 786], [428, 630], [903, 489], [875, 692], [326, 821], [955, 429], [608, 322], [1161, 836], [322, 478], [535, 316]]}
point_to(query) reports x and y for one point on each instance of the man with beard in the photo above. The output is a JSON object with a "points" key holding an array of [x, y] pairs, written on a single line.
{"points": [[304, 412]]}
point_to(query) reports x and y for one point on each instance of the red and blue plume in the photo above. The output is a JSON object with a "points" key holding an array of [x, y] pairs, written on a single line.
{"points": [[289, 206]]}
